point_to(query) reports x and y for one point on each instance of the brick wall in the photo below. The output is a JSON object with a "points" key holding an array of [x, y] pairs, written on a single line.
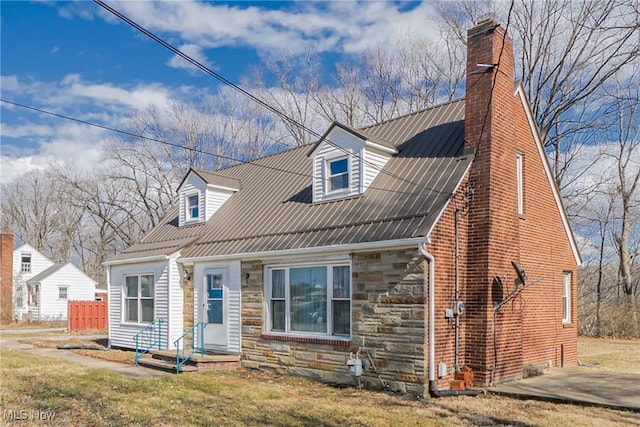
{"points": [[388, 313], [493, 230], [6, 277], [528, 329]]}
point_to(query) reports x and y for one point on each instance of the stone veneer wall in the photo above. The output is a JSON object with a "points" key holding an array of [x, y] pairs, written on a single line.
{"points": [[188, 303], [388, 315]]}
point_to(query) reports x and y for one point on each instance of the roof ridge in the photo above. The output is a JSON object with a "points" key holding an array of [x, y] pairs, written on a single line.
{"points": [[453, 101]]}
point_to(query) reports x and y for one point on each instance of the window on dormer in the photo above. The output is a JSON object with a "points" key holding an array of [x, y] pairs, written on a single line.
{"points": [[193, 207], [338, 174]]}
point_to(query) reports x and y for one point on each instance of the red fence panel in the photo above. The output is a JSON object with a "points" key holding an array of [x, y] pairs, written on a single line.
{"points": [[87, 315]]}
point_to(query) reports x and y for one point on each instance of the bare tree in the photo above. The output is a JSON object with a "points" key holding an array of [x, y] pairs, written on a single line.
{"points": [[625, 131], [31, 207], [568, 51]]}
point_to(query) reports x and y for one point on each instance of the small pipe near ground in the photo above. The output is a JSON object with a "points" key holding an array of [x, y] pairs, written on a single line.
{"points": [[433, 391]]}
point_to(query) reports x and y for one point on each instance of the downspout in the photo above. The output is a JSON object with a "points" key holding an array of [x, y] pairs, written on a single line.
{"points": [[433, 391], [456, 303], [109, 306]]}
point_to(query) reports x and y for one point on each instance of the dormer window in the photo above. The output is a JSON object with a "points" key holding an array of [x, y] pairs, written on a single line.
{"points": [[201, 194], [338, 174], [193, 207], [345, 162]]}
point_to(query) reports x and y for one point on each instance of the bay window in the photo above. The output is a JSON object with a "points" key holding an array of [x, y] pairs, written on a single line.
{"points": [[309, 300]]}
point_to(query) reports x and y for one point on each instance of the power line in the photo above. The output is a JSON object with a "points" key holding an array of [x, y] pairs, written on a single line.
{"points": [[244, 92], [493, 83], [196, 150]]}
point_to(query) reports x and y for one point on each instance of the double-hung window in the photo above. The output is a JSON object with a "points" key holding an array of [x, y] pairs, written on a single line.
{"points": [[193, 207], [139, 298], [25, 266], [62, 292], [519, 183], [309, 300], [338, 174], [566, 297]]}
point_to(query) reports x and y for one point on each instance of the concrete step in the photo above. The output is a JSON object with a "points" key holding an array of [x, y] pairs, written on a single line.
{"points": [[165, 366], [170, 355], [207, 362]]}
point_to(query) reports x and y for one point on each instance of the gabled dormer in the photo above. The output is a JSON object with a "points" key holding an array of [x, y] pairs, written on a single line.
{"points": [[346, 161], [201, 194]]}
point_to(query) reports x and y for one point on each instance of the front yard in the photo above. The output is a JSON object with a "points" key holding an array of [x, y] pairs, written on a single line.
{"points": [[33, 386]]}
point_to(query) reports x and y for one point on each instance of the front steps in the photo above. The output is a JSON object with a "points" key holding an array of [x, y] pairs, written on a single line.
{"points": [[165, 360]]}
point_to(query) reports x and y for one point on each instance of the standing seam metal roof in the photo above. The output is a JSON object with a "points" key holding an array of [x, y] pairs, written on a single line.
{"points": [[274, 209]]}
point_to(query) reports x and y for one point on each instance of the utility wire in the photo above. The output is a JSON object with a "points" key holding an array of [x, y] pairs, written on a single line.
{"points": [[196, 150], [234, 86], [493, 84]]}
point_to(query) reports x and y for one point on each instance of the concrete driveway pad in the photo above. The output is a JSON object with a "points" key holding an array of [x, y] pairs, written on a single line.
{"points": [[580, 385]]}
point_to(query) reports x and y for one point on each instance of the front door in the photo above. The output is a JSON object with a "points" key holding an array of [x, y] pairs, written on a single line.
{"points": [[213, 306]]}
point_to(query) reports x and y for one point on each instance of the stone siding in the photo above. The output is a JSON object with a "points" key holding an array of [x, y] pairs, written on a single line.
{"points": [[388, 326]]}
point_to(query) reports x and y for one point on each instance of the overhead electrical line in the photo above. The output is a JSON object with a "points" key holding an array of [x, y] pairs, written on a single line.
{"points": [[175, 145], [241, 90]]}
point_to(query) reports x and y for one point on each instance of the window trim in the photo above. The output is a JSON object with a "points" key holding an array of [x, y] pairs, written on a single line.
{"points": [[66, 292], [188, 217], [329, 334], [25, 267], [566, 297], [520, 183], [139, 298], [327, 164]]}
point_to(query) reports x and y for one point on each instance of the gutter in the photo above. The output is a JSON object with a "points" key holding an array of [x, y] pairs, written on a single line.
{"points": [[433, 391]]}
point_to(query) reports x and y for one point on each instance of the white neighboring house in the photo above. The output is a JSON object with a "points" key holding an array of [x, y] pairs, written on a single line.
{"points": [[42, 288]]}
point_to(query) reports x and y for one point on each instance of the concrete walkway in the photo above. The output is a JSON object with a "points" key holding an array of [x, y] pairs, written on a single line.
{"points": [[580, 385], [10, 342]]}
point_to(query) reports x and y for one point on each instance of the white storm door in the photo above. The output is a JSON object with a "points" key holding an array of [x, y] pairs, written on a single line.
{"points": [[213, 306]]}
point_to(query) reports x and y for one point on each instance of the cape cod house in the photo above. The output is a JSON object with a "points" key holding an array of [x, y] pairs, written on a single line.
{"points": [[42, 288], [423, 244]]}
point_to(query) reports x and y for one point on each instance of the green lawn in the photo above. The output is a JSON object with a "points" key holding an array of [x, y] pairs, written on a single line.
{"points": [[89, 397]]}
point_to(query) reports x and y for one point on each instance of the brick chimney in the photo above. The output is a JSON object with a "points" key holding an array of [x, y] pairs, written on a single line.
{"points": [[493, 221], [6, 278]]}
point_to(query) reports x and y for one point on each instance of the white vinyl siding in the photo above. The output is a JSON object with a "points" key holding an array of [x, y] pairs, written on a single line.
{"points": [[79, 288], [365, 163], [215, 198], [193, 186], [121, 332], [210, 199], [39, 263], [350, 147], [373, 163]]}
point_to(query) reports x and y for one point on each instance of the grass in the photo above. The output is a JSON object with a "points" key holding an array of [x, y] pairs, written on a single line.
{"points": [[606, 354], [35, 324], [94, 397]]}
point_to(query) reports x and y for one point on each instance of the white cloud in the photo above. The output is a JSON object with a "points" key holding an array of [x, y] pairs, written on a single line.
{"points": [[194, 52], [32, 140], [340, 26]]}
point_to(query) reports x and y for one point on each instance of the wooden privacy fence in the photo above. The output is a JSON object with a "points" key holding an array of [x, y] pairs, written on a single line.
{"points": [[87, 315]]}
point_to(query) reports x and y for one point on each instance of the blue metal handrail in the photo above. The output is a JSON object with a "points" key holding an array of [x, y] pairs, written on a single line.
{"points": [[148, 337], [181, 356]]}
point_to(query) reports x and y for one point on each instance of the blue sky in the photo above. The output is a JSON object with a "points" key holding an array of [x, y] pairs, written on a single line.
{"points": [[73, 58]]}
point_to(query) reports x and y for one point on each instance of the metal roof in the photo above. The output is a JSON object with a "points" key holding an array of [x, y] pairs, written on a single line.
{"points": [[274, 209]]}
